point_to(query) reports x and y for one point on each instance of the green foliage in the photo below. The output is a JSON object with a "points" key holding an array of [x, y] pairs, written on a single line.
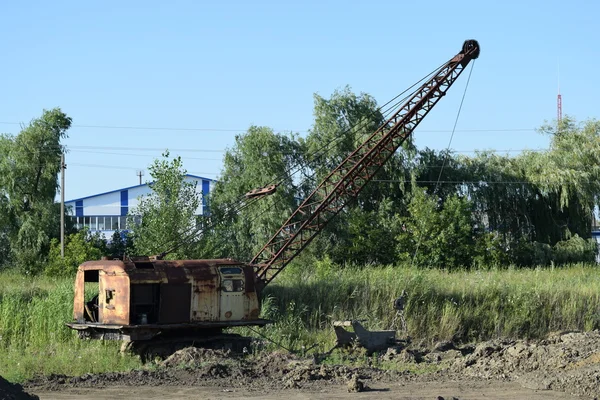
{"points": [[342, 123], [575, 249], [29, 166], [489, 251], [119, 245], [259, 157], [165, 219], [369, 237], [437, 234], [79, 248]]}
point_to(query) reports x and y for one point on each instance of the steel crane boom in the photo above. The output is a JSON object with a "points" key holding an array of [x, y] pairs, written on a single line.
{"points": [[347, 180]]}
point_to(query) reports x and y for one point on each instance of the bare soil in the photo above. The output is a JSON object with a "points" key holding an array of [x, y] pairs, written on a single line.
{"points": [[563, 366]]}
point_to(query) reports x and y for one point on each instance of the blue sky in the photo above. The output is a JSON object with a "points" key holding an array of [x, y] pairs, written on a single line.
{"points": [[218, 67]]}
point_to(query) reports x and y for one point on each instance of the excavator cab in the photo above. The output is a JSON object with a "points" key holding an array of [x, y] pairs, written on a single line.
{"points": [[139, 300]]}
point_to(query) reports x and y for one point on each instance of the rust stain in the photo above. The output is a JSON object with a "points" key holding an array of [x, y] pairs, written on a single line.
{"points": [[145, 291]]}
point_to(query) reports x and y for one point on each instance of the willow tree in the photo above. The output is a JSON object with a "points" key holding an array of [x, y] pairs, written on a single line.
{"points": [[536, 201], [238, 227], [29, 166]]}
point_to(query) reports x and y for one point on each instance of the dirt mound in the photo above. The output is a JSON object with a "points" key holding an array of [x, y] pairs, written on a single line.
{"points": [[567, 362], [13, 391], [194, 356], [203, 367]]}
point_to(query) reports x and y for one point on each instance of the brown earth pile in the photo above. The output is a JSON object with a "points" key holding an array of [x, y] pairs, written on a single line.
{"points": [[567, 362], [192, 366], [13, 391]]}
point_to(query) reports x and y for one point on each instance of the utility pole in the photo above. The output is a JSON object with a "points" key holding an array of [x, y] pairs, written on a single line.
{"points": [[63, 166], [140, 173]]}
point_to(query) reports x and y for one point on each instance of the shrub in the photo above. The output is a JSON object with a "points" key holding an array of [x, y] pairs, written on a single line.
{"points": [[79, 247], [575, 249]]}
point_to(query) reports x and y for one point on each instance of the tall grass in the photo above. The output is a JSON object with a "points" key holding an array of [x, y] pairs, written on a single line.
{"points": [[34, 339], [463, 306], [304, 300]]}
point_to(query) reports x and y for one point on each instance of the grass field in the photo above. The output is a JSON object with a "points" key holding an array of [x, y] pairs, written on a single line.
{"points": [[463, 306], [34, 339]]}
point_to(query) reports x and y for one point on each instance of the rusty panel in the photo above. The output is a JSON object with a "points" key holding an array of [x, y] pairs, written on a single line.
{"points": [[205, 296], [202, 273], [250, 278], [173, 273], [79, 299], [251, 308], [146, 276], [175, 302], [113, 309], [105, 265]]}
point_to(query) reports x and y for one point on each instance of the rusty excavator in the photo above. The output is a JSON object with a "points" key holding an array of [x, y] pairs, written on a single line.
{"points": [[155, 305]]}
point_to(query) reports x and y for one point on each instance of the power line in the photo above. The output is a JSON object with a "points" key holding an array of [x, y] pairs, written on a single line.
{"points": [[132, 168], [144, 155], [145, 149], [458, 182], [183, 129], [152, 128], [89, 149]]}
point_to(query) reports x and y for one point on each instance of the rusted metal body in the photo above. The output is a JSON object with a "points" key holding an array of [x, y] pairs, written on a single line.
{"points": [[372, 341], [139, 300], [347, 180]]}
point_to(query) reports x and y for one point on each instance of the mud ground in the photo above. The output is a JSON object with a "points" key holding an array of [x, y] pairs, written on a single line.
{"points": [[564, 366], [12, 391]]}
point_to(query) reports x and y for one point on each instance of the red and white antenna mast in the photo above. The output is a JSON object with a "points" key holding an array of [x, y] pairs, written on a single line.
{"points": [[558, 101], [558, 108]]}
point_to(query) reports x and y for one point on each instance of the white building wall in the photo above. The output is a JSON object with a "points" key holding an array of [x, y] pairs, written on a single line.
{"points": [[135, 193], [105, 204], [106, 212]]}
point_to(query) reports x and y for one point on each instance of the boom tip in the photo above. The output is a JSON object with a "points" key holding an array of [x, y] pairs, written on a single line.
{"points": [[471, 46]]}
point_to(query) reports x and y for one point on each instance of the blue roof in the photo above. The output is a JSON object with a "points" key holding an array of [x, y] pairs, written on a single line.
{"points": [[131, 187]]}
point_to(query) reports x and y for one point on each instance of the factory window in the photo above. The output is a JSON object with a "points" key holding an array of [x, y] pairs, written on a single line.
{"points": [[101, 223], [76, 223]]}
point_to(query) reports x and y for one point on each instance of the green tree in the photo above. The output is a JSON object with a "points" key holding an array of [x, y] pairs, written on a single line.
{"points": [[258, 158], [166, 218], [119, 245], [29, 166], [370, 237], [437, 234], [342, 123]]}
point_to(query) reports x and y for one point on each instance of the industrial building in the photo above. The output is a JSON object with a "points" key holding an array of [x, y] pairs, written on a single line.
{"points": [[107, 212]]}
